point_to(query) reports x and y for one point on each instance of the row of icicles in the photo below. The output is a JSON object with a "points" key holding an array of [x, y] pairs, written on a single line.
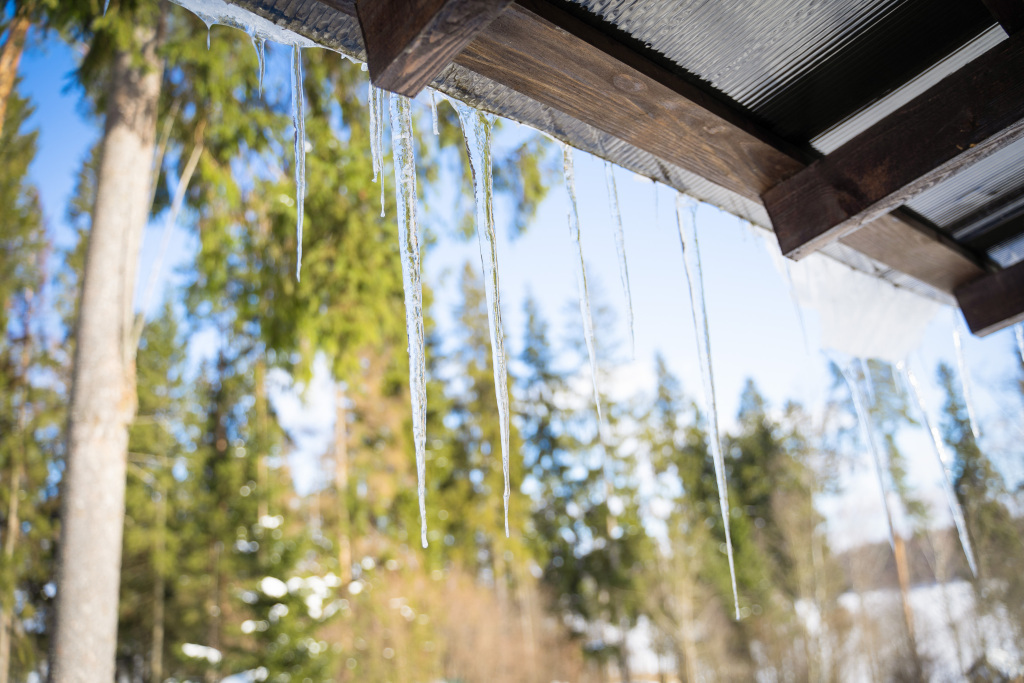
{"points": [[477, 128]]}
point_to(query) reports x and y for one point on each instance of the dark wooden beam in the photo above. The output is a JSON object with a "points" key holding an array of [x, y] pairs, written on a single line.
{"points": [[993, 301], [557, 60], [409, 42], [1009, 14], [965, 117], [917, 250]]}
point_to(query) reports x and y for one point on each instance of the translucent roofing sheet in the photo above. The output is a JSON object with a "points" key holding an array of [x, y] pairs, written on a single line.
{"points": [[800, 66], [993, 179]]}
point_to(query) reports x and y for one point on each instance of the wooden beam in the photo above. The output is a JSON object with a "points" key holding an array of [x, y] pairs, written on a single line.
{"points": [[1009, 14], [965, 117], [918, 251], [409, 42], [993, 301], [557, 60]]}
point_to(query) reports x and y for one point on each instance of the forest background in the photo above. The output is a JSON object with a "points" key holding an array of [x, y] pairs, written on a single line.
{"points": [[270, 517]]}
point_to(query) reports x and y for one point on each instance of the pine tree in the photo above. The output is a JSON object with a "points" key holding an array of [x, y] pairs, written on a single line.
{"points": [[30, 412]]}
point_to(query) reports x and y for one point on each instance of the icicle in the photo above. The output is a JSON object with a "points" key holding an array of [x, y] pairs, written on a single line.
{"points": [[695, 282], [868, 382], [259, 44], [375, 124], [477, 128], [864, 418], [433, 112], [1018, 330], [620, 247], [375, 98], [657, 212], [939, 447], [581, 274], [965, 381], [409, 242], [299, 122]]}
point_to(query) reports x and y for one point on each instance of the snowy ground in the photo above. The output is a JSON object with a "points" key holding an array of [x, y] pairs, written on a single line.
{"points": [[950, 636]]}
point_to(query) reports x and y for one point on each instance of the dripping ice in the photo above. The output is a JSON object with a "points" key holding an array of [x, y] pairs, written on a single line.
{"points": [[965, 380], [433, 112], [299, 122], [620, 248], [860, 406], [409, 244], [375, 100], [942, 456], [476, 126], [686, 216], [581, 273], [259, 45]]}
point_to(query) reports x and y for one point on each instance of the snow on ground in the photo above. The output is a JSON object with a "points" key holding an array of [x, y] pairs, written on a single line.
{"points": [[950, 636]]}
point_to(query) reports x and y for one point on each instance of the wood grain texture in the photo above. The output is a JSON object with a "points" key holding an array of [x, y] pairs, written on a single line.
{"points": [[964, 118], [917, 251], [1009, 14], [409, 42], [581, 72], [993, 301]]}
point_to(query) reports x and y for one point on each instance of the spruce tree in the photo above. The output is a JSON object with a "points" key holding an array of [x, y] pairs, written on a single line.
{"points": [[31, 413]]}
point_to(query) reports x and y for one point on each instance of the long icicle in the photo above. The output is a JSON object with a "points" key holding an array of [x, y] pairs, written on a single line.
{"points": [[620, 247], [868, 382], [433, 112], [581, 275], [259, 43], [864, 418], [965, 380], [476, 126], [942, 455], [375, 102], [409, 241], [380, 144], [695, 282], [1018, 330], [299, 122]]}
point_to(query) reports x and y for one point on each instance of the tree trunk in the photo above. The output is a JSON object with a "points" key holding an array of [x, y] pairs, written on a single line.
{"points": [[903, 576], [103, 397], [341, 483], [10, 57]]}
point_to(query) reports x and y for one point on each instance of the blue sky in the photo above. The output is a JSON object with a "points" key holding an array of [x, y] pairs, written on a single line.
{"points": [[756, 330]]}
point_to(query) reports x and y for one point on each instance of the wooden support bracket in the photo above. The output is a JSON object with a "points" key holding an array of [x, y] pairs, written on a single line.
{"points": [[993, 301], [409, 42], [965, 117]]}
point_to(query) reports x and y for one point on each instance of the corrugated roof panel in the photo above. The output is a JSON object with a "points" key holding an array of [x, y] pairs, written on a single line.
{"points": [[1009, 253], [800, 66], [994, 178], [857, 123]]}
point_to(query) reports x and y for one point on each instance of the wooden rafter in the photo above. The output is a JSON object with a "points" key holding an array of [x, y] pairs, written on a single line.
{"points": [[409, 42], [557, 60], [965, 117], [994, 301]]}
